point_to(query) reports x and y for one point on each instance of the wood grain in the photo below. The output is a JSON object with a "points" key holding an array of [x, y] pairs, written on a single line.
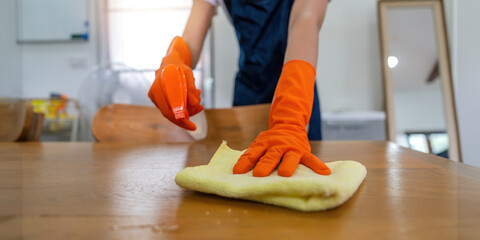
{"points": [[126, 191]]}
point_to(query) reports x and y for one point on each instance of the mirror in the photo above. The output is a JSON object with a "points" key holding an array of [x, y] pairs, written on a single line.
{"points": [[418, 90]]}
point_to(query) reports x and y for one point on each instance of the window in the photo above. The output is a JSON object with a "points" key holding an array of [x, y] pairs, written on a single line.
{"points": [[140, 31]]}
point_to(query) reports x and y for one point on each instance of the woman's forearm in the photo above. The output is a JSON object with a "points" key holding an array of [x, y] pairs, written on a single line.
{"points": [[306, 20], [197, 27]]}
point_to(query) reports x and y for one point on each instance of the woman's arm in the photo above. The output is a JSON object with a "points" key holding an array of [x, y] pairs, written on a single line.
{"points": [[306, 19], [197, 26]]}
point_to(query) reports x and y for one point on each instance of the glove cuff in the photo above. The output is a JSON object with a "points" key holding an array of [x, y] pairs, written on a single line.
{"points": [[293, 99], [304, 65], [179, 50]]}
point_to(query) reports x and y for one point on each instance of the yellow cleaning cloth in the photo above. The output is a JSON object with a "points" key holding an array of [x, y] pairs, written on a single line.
{"points": [[304, 191]]}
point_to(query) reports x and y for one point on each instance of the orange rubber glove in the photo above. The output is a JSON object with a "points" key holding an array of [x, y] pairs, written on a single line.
{"points": [[286, 139], [179, 55]]}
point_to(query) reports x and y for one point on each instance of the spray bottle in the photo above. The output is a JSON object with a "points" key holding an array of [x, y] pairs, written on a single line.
{"points": [[175, 90]]}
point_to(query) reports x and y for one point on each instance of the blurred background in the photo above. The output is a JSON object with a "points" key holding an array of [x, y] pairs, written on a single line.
{"points": [[69, 58]]}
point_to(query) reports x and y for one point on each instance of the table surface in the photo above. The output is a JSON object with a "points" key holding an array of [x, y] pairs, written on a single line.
{"points": [[126, 190]]}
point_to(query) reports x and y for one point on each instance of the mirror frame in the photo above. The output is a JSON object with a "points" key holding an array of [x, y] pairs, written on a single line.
{"points": [[444, 67]]}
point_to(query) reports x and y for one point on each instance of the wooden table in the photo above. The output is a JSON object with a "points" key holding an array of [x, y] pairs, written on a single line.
{"points": [[126, 191]]}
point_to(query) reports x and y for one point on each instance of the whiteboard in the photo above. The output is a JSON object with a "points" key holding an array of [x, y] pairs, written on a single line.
{"points": [[52, 20]]}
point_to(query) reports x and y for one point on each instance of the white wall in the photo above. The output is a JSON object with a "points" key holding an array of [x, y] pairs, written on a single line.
{"points": [[467, 62], [348, 71], [37, 69], [225, 56], [10, 52]]}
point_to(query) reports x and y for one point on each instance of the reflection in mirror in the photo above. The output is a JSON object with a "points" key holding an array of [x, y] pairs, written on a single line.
{"points": [[417, 93], [417, 78]]}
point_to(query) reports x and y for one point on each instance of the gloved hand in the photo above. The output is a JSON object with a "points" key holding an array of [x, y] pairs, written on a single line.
{"points": [[179, 55], [286, 139]]}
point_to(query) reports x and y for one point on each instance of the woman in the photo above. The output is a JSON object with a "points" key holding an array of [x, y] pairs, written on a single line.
{"points": [[278, 53]]}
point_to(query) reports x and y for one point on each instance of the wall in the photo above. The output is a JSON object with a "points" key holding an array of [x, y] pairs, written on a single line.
{"points": [[10, 52], [225, 56], [348, 71], [35, 70], [467, 62]]}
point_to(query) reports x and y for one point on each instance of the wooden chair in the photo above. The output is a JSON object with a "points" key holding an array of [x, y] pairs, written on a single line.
{"points": [[130, 123], [19, 122]]}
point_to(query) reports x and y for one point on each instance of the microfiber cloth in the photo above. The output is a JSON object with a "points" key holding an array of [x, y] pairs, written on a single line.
{"points": [[304, 191]]}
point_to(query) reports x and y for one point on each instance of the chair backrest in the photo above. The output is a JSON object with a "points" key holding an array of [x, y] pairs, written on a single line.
{"points": [[19, 122], [131, 123], [237, 123]]}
